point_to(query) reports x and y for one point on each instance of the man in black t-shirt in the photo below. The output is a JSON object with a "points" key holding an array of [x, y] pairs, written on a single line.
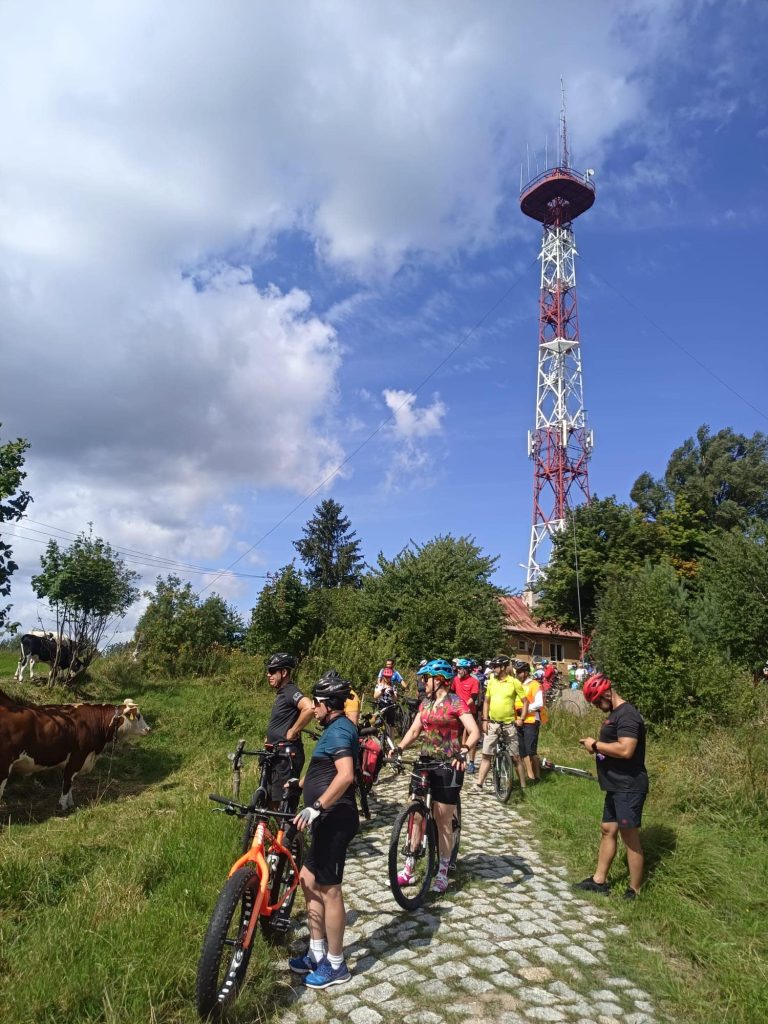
{"points": [[290, 713], [620, 753]]}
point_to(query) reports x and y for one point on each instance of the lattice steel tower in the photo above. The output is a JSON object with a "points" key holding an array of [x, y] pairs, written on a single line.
{"points": [[560, 444]]}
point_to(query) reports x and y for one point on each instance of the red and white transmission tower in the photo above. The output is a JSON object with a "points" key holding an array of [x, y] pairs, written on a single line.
{"points": [[560, 444]]}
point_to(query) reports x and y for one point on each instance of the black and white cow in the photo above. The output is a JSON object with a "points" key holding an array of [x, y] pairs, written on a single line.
{"points": [[39, 646]]}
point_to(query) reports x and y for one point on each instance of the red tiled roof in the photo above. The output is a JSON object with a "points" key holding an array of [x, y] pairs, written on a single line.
{"points": [[518, 617]]}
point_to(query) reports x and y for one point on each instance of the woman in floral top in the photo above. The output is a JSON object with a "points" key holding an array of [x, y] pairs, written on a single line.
{"points": [[442, 719]]}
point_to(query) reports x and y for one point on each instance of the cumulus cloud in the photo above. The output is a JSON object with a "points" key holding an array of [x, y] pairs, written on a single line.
{"points": [[153, 153], [410, 428]]}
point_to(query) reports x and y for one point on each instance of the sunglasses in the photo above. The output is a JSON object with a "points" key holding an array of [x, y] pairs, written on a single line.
{"points": [[317, 701]]}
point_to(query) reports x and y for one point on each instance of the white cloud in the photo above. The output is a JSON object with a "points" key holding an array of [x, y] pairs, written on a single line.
{"points": [[152, 153], [411, 423], [410, 429]]}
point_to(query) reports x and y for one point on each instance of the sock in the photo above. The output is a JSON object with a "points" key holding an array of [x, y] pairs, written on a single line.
{"points": [[317, 949], [444, 862], [335, 961]]}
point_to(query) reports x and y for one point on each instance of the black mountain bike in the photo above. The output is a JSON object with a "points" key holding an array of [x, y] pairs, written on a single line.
{"points": [[414, 838], [268, 758], [503, 767]]}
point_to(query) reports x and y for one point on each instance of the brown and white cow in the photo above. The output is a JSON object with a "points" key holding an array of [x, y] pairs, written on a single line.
{"points": [[34, 737]]}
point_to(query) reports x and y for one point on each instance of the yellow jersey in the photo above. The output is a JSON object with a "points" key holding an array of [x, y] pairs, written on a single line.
{"points": [[501, 695]]}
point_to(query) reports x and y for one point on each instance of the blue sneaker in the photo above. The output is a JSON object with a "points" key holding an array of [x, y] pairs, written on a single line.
{"points": [[302, 964], [324, 975], [471, 768]]}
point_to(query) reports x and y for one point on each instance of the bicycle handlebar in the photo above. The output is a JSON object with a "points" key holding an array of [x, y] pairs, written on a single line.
{"points": [[233, 807]]}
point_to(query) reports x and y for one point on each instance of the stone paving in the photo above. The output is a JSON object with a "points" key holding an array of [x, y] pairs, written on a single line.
{"points": [[508, 943]]}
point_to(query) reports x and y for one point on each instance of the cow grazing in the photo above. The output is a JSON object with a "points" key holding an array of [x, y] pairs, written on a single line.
{"points": [[34, 737], [39, 646]]}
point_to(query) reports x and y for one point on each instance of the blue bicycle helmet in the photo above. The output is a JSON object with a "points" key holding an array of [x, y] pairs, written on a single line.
{"points": [[439, 667], [465, 663]]}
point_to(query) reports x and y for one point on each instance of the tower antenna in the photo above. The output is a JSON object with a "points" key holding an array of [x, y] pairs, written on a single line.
{"points": [[565, 155], [560, 444]]}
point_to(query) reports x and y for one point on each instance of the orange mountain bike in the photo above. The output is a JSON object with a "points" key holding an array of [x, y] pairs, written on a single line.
{"points": [[260, 887]]}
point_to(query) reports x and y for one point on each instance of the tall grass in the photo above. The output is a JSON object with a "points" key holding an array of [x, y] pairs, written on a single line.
{"points": [[102, 913], [700, 930]]}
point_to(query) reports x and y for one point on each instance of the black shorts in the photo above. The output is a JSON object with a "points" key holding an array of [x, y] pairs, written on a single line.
{"points": [[528, 738], [440, 784], [284, 770], [625, 809], [331, 835]]}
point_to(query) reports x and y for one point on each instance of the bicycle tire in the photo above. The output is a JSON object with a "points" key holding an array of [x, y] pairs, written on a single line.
{"points": [[401, 720], [276, 927], [423, 850], [456, 828], [363, 789], [503, 775], [259, 799], [239, 900]]}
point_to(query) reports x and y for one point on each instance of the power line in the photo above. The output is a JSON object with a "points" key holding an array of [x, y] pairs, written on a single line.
{"points": [[665, 334], [151, 565]]}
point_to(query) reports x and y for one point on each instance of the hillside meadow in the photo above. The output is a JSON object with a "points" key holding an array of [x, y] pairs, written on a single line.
{"points": [[102, 912]]}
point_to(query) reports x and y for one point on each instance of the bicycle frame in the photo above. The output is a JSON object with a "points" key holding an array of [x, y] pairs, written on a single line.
{"points": [[257, 855]]}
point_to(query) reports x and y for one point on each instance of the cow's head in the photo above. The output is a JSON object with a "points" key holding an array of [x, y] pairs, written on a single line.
{"points": [[131, 720]]}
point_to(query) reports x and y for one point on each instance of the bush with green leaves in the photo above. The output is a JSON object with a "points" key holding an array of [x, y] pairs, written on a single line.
{"points": [[178, 634], [436, 599], [644, 642], [356, 654]]}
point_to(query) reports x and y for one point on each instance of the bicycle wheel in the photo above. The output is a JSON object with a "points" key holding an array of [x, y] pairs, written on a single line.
{"points": [[363, 789], [224, 961], [579, 773], [259, 799], [401, 720], [456, 826], [503, 775], [412, 855], [276, 926]]}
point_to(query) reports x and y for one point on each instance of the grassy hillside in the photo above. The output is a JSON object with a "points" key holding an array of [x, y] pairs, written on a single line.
{"points": [[700, 930], [102, 912]]}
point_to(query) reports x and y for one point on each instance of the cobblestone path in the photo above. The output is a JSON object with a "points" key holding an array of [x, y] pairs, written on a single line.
{"points": [[508, 943]]}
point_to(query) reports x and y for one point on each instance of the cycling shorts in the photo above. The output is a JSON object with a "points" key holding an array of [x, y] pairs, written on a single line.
{"points": [[440, 784], [332, 833], [489, 740], [284, 770], [625, 809], [528, 739]]}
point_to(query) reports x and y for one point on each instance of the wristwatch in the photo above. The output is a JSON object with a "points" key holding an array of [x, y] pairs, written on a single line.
{"points": [[594, 746], [317, 806]]}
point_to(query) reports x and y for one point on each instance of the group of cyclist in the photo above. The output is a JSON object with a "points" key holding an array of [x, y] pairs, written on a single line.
{"points": [[461, 704]]}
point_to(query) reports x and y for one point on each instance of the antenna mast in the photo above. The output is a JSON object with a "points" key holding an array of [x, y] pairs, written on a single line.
{"points": [[564, 153]]}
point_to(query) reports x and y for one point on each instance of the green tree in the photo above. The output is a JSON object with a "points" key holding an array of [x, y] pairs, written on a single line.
{"points": [[284, 617], [435, 598], [610, 539], [644, 642], [330, 549], [723, 476], [731, 612], [13, 504], [87, 585], [178, 633]]}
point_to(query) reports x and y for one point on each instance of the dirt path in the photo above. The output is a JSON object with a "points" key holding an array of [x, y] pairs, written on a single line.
{"points": [[508, 943]]}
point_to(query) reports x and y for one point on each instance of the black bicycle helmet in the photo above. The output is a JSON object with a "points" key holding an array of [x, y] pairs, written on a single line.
{"points": [[500, 662], [332, 690], [281, 660], [520, 665]]}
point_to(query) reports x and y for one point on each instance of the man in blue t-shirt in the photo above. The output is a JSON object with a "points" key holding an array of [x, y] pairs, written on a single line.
{"points": [[330, 812]]}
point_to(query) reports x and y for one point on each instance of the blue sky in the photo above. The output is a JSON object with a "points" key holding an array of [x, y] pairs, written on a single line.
{"points": [[231, 244]]}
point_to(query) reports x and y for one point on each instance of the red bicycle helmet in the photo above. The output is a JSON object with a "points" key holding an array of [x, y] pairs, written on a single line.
{"points": [[596, 686]]}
